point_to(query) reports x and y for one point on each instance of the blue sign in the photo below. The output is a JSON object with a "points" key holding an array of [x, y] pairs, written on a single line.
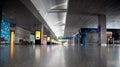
{"points": [[65, 37]]}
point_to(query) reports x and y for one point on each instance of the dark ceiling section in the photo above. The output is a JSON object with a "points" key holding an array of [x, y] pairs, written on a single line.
{"points": [[84, 14], [20, 15], [93, 6]]}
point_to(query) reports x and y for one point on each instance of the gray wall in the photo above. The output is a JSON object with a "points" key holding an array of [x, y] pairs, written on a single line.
{"points": [[92, 38], [20, 33]]}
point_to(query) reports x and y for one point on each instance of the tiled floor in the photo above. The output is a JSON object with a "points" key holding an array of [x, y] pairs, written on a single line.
{"points": [[59, 56]]}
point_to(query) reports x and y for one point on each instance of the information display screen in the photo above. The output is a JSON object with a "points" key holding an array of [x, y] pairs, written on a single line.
{"points": [[37, 35]]}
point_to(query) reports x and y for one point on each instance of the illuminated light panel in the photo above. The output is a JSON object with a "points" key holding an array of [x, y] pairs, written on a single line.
{"points": [[12, 38], [12, 33], [37, 35], [48, 38]]}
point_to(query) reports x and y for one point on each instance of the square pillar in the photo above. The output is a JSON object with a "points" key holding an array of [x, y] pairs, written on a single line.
{"points": [[102, 32], [42, 30]]}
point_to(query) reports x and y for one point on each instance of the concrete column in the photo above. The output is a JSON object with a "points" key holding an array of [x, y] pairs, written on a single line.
{"points": [[73, 40], [102, 33], [78, 38], [51, 37], [42, 31]]}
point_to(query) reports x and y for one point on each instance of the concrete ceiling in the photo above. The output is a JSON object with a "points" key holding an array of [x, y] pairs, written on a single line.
{"points": [[20, 15], [80, 14], [54, 13], [84, 14]]}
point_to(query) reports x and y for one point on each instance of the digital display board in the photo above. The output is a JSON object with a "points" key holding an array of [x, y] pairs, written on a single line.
{"points": [[48, 38], [37, 35]]}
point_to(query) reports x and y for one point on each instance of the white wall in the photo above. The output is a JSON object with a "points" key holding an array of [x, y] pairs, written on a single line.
{"points": [[20, 33]]}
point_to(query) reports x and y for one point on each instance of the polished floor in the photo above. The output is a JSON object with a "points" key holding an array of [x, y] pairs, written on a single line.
{"points": [[59, 56]]}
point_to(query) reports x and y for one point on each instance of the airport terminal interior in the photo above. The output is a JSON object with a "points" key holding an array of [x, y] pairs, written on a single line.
{"points": [[59, 33]]}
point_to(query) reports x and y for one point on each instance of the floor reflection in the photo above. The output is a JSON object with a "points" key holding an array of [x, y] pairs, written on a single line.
{"points": [[57, 59], [4, 54], [37, 53], [58, 56], [12, 51]]}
